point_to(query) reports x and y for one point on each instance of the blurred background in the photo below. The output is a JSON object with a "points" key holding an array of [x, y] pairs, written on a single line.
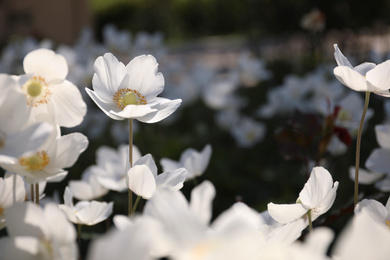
{"points": [[223, 58]]}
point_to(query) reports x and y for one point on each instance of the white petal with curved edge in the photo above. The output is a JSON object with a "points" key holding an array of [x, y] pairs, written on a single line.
{"points": [[378, 161], [382, 133], [364, 68], [202, 201], [379, 76], [317, 187], [351, 79], [286, 213], [340, 58], [365, 177], [383, 185], [104, 106], [95, 212], [326, 203], [46, 63], [164, 107], [149, 162], [69, 106], [141, 181], [135, 112], [169, 165], [172, 179], [110, 75], [144, 76]]}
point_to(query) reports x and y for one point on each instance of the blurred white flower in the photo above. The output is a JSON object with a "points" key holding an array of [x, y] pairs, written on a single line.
{"points": [[85, 212], [114, 165], [316, 198], [50, 159], [193, 161], [314, 21], [366, 77], [251, 70], [365, 177], [49, 95], [88, 187], [11, 191], [376, 210], [17, 136], [36, 233], [248, 132], [118, 42], [130, 91], [143, 180]]}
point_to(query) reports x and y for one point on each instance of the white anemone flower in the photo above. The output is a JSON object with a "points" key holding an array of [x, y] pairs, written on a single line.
{"points": [[17, 136], [49, 95], [113, 165], [366, 77], [376, 210], [36, 233], [316, 198], [85, 212], [50, 159], [88, 187], [248, 132], [378, 159], [12, 190], [130, 92], [193, 161], [143, 179]]}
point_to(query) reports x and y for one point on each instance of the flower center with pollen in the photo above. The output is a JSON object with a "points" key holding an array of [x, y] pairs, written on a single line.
{"points": [[37, 91], [38, 161], [126, 96]]}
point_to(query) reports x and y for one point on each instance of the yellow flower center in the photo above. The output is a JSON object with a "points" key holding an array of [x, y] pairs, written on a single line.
{"points": [[35, 162], [388, 224], [126, 96], [37, 91]]}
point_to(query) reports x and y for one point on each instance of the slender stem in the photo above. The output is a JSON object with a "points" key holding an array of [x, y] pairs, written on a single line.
{"points": [[131, 162], [37, 193], [310, 222], [79, 238], [32, 193], [135, 205], [358, 143]]}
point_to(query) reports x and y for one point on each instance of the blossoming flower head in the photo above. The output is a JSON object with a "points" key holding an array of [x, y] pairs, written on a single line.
{"points": [[364, 77], [49, 95], [130, 91]]}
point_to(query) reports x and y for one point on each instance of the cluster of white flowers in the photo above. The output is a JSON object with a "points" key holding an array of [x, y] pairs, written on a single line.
{"points": [[37, 104]]}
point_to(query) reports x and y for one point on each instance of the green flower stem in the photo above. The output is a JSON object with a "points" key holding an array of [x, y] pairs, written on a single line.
{"points": [[135, 205], [310, 221], [131, 162], [358, 143], [32, 193], [37, 193]]}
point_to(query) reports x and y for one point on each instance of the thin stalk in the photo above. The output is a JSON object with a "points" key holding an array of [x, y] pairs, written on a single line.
{"points": [[79, 238], [135, 205], [358, 143], [310, 221], [32, 193], [131, 162], [37, 193]]}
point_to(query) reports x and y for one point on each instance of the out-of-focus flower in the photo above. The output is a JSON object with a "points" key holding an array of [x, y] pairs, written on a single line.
{"points": [[365, 177], [116, 41], [88, 187], [50, 159], [130, 92], [114, 165], [193, 161], [49, 95], [36, 233], [11, 191], [143, 180], [313, 21], [316, 198], [376, 210], [366, 77], [363, 238], [17, 136], [251, 70], [85, 212], [248, 132]]}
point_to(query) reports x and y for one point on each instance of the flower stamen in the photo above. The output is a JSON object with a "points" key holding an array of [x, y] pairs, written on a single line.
{"points": [[35, 162], [37, 91], [126, 96]]}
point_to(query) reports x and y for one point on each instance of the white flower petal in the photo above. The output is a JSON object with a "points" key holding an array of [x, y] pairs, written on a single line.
{"points": [[382, 133], [141, 181], [378, 161], [286, 213], [379, 76], [365, 177], [106, 107], [172, 179], [69, 106], [95, 212], [340, 58], [352, 79], [164, 107], [144, 77], [135, 112], [202, 200], [46, 63]]}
